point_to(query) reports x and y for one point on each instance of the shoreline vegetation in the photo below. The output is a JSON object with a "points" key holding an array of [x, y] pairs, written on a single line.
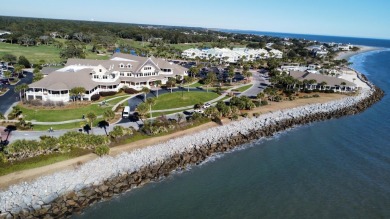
{"points": [[48, 197]]}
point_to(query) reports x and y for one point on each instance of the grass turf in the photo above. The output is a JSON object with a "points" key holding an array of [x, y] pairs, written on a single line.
{"points": [[176, 100], [39, 161], [61, 114]]}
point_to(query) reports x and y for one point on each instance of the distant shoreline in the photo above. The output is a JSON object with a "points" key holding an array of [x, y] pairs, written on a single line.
{"points": [[348, 54]]}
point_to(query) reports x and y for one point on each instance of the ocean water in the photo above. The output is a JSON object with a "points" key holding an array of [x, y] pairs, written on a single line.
{"points": [[333, 169]]}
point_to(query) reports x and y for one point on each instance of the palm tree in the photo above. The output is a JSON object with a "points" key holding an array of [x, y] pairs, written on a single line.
{"points": [[142, 110], [171, 82], [311, 82], [8, 75], [231, 73], [77, 92], [18, 69], [323, 85], [19, 88], [91, 118], [157, 83], [210, 79], [145, 90], [103, 124], [150, 102], [260, 96]]}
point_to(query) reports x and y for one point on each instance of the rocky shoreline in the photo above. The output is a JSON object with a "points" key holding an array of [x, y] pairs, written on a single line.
{"points": [[63, 194]]}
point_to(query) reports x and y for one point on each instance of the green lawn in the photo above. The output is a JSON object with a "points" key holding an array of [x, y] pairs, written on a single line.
{"points": [[55, 115], [49, 53], [197, 84], [167, 112], [175, 100], [33, 53], [244, 88], [118, 99], [39, 161]]}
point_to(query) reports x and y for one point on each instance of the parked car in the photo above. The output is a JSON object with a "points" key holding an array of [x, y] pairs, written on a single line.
{"points": [[206, 105], [4, 81]]}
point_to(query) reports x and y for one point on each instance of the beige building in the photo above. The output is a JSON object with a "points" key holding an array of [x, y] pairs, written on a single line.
{"points": [[122, 70]]}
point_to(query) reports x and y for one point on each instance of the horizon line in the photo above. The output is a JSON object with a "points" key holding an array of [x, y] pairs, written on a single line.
{"points": [[211, 28]]}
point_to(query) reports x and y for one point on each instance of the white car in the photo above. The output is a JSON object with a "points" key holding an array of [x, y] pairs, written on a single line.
{"points": [[206, 105]]}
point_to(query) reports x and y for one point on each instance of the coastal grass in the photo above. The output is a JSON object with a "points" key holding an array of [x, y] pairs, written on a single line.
{"points": [[61, 114], [182, 99], [39, 161]]}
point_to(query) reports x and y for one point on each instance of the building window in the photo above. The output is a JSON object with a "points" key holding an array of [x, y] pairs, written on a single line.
{"points": [[128, 74], [128, 66], [100, 70], [147, 68], [121, 65], [96, 76], [104, 76], [122, 74]]}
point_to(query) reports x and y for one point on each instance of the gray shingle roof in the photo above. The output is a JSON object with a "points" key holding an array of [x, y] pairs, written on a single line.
{"points": [[66, 80], [330, 81]]}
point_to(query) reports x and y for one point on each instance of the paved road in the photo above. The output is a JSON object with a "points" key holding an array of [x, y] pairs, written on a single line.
{"points": [[11, 97], [259, 84]]}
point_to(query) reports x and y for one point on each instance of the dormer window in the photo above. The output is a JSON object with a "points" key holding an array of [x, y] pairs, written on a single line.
{"points": [[100, 70], [121, 65], [128, 65], [147, 68]]}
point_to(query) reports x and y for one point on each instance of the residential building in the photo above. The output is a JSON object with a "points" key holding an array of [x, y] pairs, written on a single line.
{"points": [[95, 76], [232, 56], [323, 82]]}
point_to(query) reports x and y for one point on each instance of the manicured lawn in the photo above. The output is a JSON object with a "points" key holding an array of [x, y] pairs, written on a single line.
{"points": [[49, 53], [117, 100], [33, 53], [71, 125], [244, 88], [175, 100], [39, 161], [61, 114], [197, 84], [167, 112]]}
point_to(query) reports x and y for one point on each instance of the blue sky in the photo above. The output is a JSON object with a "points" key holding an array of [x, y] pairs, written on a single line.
{"points": [[358, 18]]}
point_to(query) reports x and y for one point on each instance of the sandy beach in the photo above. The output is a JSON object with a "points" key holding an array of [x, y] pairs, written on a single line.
{"points": [[348, 54]]}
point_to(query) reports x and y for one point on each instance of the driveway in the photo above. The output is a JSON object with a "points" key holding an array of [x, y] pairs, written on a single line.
{"points": [[11, 97], [259, 84]]}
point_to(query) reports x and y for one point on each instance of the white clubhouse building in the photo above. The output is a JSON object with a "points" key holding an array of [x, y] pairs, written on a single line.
{"points": [[122, 70]]}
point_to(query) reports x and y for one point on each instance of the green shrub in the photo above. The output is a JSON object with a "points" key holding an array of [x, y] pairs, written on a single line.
{"points": [[107, 93], [234, 117], [130, 91], [3, 158], [245, 115], [264, 102], [95, 97], [316, 95], [102, 150]]}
